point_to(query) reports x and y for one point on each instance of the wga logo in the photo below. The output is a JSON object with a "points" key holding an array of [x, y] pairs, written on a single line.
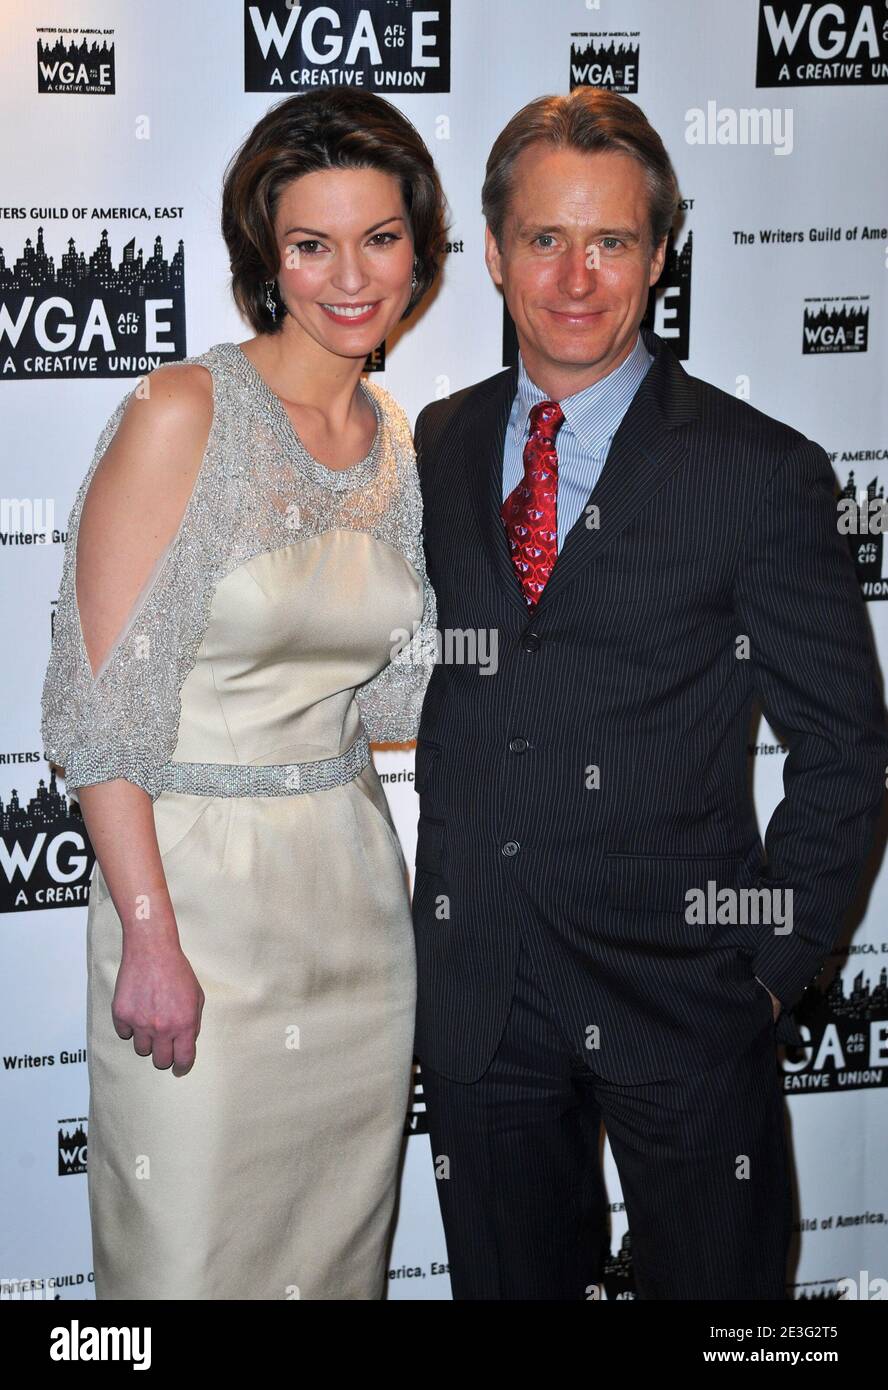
{"points": [[844, 1031], [836, 324], [375, 359], [613, 65], [46, 858], [862, 517], [72, 1146], [417, 1120], [83, 314], [668, 311], [75, 67], [381, 45], [619, 1276], [821, 45]]}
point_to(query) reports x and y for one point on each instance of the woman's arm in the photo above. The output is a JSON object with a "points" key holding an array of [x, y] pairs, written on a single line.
{"points": [[131, 512], [157, 1000]]}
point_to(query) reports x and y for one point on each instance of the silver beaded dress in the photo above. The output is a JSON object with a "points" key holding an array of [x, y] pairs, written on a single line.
{"points": [[289, 621]]}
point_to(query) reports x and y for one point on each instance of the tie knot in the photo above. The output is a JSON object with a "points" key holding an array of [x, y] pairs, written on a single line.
{"points": [[545, 418]]}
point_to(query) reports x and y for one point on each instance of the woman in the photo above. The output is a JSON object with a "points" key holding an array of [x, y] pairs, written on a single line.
{"points": [[243, 561]]}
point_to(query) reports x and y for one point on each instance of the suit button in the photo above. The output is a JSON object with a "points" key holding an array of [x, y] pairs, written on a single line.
{"points": [[518, 745], [511, 847], [531, 641]]}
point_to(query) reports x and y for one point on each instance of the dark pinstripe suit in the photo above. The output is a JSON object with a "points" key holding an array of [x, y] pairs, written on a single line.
{"points": [[715, 524]]}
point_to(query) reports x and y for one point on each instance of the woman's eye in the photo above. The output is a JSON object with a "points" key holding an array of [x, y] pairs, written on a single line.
{"points": [[306, 248]]}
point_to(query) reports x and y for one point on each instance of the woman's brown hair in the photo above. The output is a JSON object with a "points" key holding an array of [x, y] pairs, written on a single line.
{"points": [[339, 128]]}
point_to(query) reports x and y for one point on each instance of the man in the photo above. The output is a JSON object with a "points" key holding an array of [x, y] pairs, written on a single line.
{"points": [[584, 807]]}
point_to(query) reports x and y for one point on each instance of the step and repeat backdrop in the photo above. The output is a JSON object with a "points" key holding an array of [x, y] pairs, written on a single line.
{"points": [[118, 120]]}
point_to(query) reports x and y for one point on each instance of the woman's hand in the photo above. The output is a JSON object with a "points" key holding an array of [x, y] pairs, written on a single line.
{"points": [[158, 1002]]}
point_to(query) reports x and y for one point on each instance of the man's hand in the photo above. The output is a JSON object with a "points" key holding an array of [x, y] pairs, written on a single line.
{"points": [[777, 1006]]}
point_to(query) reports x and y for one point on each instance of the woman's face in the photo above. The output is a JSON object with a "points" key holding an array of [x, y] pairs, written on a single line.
{"points": [[345, 244]]}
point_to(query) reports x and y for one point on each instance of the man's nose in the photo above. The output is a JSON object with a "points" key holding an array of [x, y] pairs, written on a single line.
{"points": [[579, 269]]}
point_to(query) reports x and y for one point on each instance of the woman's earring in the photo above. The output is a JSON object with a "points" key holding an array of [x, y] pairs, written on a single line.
{"points": [[269, 299], [413, 284]]}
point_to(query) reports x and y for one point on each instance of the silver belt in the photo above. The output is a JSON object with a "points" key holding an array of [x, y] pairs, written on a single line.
{"points": [[270, 779]]}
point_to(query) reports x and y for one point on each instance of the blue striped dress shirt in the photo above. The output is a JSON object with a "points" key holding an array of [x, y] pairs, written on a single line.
{"points": [[591, 419]]}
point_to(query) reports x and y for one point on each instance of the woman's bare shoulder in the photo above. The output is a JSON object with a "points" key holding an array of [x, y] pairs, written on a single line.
{"points": [[163, 432], [174, 403], [138, 494]]}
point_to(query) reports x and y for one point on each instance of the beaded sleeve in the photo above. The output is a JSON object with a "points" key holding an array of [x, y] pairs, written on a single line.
{"points": [[391, 702], [257, 489], [123, 722]]}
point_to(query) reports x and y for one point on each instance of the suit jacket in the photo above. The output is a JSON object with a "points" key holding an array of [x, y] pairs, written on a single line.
{"points": [[573, 797]]}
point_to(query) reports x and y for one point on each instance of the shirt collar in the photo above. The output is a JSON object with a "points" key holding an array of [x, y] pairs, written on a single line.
{"points": [[593, 414]]}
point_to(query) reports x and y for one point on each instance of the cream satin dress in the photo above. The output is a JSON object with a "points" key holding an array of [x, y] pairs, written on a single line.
{"points": [[269, 1170]]}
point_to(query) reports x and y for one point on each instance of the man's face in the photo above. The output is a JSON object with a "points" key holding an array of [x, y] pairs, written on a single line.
{"points": [[576, 264]]}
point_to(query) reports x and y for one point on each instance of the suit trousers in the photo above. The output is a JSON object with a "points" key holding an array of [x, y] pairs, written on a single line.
{"points": [[702, 1159]]}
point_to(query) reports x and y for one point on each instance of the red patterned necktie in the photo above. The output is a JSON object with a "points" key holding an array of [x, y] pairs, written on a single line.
{"points": [[530, 510]]}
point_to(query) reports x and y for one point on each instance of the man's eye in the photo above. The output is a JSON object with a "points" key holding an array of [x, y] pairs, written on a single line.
{"points": [[615, 240], [544, 236]]}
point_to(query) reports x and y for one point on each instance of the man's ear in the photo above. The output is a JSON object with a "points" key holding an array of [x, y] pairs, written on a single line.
{"points": [[657, 260], [492, 256]]}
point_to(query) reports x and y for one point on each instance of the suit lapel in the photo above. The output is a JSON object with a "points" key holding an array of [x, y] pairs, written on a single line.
{"points": [[644, 453], [646, 450], [483, 439]]}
